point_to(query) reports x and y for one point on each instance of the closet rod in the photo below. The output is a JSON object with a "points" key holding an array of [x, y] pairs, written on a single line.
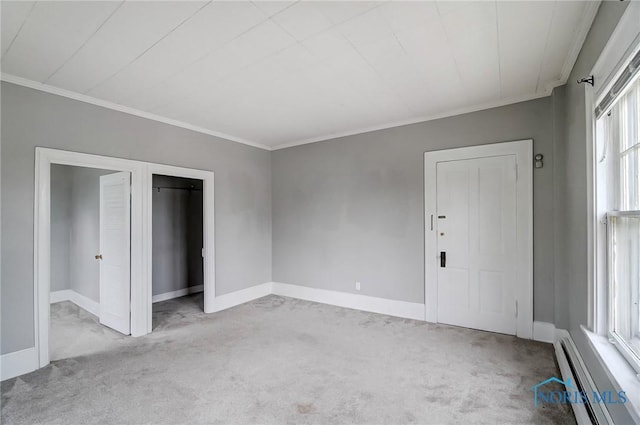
{"points": [[176, 188]]}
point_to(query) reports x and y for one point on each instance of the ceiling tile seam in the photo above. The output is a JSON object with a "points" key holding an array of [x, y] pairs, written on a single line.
{"points": [[332, 26], [19, 30], [387, 85], [293, 3], [413, 65], [298, 42], [84, 43], [498, 46], [185, 20], [229, 41], [271, 18], [278, 23], [201, 58], [335, 26], [186, 97], [449, 48], [364, 12], [546, 44], [301, 44]]}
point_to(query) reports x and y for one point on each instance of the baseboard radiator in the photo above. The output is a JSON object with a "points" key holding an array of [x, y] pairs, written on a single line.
{"points": [[573, 368]]}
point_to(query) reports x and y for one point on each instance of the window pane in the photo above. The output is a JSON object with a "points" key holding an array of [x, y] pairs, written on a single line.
{"points": [[625, 273], [629, 116], [629, 181]]}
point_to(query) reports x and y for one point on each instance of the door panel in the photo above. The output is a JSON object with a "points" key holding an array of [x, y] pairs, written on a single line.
{"points": [[476, 227], [115, 249]]}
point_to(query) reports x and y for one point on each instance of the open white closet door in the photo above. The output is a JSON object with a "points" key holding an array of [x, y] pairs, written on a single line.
{"points": [[115, 251]]}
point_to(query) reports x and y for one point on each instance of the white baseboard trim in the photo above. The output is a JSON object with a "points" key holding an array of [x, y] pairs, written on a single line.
{"points": [[232, 299], [18, 363], [544, 332], [80, 300], [395, 308], [178, 293], [59, 296]]}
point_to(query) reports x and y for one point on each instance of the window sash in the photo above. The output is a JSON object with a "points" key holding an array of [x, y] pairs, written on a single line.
{"points": [[624, 283]]}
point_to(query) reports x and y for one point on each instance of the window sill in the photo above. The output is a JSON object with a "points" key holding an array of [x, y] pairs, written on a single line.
{"points": [[619, 371]]}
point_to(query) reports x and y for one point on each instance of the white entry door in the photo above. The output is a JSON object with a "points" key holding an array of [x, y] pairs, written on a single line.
{"points": [[115, 251], [476, 221]]}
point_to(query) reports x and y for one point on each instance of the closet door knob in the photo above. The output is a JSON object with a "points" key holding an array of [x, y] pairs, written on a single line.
{"points": [[99, 257]]}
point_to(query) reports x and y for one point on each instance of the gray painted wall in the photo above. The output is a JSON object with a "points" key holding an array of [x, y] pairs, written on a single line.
{"points": [[84, 269], [352, 209], [60, 227], [571, 271], [31, 118], [177, 234]]}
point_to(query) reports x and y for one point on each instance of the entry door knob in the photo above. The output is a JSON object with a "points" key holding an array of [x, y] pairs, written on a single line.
{"points": [[99, 257]]}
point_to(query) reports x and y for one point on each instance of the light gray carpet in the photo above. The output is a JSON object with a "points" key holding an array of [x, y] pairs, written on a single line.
{"points": [[278, 360]]}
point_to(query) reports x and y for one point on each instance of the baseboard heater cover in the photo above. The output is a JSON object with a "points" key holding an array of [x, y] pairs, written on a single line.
{"points": [[573, 368]]}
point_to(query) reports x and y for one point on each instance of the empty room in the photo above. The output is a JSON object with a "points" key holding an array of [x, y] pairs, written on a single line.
{"points": [[322, 212]]}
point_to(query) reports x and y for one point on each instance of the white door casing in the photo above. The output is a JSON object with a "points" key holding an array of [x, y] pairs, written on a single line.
{"points": [[496, 273], [141, 216], [115, 248], [476, 238], [208, 228]]}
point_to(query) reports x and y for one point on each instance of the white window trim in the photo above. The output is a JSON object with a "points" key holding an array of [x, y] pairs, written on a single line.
{"points": [[605, 72], [617, 369], [622, 45]]}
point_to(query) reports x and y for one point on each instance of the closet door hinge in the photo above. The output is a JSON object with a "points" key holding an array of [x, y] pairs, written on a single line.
{"points": [[516, 308]]}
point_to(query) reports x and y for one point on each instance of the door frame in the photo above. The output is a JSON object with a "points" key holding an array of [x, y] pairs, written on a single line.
{"points": [[522, 149], [141, 243], [208, 229]]}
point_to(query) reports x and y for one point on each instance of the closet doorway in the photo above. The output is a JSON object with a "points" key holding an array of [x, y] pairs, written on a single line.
{"points": [[179, 226], [141, 213], [177, 247], [90, 260]]}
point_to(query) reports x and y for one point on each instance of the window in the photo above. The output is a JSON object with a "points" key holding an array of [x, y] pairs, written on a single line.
{"points": [[619, 129]]}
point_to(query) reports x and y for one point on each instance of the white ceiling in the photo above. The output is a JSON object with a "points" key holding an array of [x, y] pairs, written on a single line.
{"points": [[276, 74]]}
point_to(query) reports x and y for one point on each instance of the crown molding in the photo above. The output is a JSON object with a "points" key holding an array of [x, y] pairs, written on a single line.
{"points": [[588, 15], [125, 109], [136, 112], [417, 120]]}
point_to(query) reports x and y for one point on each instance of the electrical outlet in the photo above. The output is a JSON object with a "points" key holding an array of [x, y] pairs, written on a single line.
{"points": [[357, 286]]}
